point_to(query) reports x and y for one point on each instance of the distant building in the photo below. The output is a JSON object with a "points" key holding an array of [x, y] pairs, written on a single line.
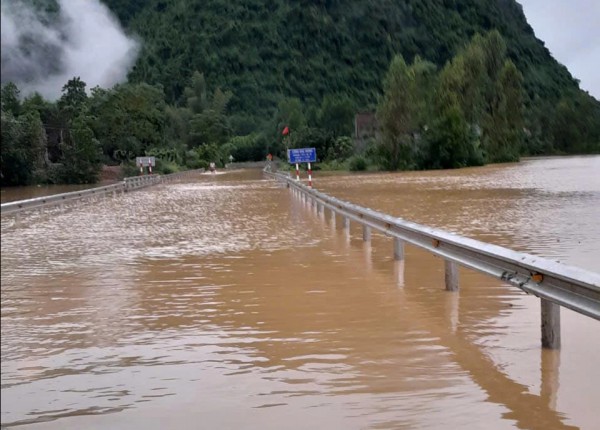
{"points": [[365, 128]]}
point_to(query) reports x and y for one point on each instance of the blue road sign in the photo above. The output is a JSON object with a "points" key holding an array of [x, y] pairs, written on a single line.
{"points": [[302, 155]]}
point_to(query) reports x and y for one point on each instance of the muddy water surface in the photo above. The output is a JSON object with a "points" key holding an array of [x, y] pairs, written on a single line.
{"points": [[222, 302]]}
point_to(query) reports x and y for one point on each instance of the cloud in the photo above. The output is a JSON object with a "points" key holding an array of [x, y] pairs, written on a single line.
{"points": [[41, 51], [571, 33]]}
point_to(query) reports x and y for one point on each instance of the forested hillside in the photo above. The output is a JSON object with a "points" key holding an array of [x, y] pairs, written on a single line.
{"points": [[445, 83], [264, 50]]}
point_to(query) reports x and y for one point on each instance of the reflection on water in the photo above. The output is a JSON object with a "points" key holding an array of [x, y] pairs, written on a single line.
{"points": [[227, 302]]}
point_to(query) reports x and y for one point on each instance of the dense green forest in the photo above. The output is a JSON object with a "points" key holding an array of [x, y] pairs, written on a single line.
{"points": [[452, 83]]}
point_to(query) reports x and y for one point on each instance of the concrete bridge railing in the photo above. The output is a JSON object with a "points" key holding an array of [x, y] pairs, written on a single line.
{"points": [[554, 283]]}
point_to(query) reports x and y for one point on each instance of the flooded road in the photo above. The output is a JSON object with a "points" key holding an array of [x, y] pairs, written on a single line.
{"points": [[222, 302], [11, 194]]}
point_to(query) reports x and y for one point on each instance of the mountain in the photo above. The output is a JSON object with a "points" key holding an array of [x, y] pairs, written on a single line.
{"points": [[263, 50]]}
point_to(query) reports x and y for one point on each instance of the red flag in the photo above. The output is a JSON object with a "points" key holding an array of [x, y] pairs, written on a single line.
{"points": [[285, 131]]}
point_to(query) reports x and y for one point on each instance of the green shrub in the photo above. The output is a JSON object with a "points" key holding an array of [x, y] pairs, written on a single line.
{"points": [[341, 148], [357, 164], [130, 169], [165, 167], [210, 153], [192, 160], [244, 148]]}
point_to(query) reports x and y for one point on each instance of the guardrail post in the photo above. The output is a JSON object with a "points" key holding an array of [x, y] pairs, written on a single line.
{"points": [[366, 233], [576, 289], [347, 229], [398, 249], [399, 272], [332, 217], [451, 275], [550, 324]]}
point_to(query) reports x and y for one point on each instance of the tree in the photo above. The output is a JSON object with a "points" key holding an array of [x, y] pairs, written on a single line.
{"points": [[73, 96], [10, 99], [211, 125], [464, 77], [244, 148], [21, 149], [337, 114], [317, 138], [425, 80], [81, 161], [289, 114], [576, 124], [505, 121], [450, 140], [488, 90], [195, 95], [129, 120], [209, 122], [397, 116]]}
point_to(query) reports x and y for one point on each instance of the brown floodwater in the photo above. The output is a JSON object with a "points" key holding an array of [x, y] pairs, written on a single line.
{"points": [[223, 302], [11, 194]]}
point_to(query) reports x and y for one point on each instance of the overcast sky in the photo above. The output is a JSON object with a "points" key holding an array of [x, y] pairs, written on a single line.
{"points": [[571, 31]]}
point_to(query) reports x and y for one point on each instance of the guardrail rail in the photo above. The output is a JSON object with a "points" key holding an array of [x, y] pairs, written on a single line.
{"points": [[554, 283], [127, 184]]}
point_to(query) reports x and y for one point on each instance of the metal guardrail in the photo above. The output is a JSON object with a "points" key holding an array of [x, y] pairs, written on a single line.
{"points": [[555, 283], [136, 182], [57, 199], [128, 184]]}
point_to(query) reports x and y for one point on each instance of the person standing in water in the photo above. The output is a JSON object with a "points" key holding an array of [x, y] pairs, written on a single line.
{"points": [[269, 162]]}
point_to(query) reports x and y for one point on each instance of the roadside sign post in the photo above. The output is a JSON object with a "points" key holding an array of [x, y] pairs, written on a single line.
{"points": [[145, 162], [302, 155]]}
